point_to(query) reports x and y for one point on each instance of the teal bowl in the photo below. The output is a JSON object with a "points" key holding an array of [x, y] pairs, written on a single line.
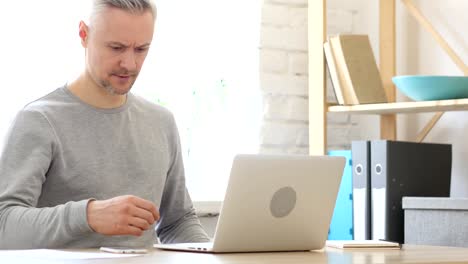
{"points": [[429, 87]]}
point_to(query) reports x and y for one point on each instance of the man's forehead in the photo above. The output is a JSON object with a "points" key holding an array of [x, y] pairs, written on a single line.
{"points": [[123, 26], [114, 12], [112, 17]]}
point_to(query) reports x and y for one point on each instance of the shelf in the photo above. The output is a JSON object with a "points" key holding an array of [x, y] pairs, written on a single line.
{"points": [[403, 107]]}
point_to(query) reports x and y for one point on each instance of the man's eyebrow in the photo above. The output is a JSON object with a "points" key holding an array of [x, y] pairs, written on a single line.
{"points": [[146, 45], [116, 43]]}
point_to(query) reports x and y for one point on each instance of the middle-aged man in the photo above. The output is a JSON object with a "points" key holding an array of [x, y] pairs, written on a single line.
{"points": [[91, 164]]}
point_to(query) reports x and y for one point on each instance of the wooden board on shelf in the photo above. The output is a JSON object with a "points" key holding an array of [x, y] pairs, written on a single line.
{"points": [[403, 107], [317, 17], [387, 54]]}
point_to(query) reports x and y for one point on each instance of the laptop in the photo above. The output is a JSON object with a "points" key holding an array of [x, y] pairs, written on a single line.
{"points": [[274, 203]]}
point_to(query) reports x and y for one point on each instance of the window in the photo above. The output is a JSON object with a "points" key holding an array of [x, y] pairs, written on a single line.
{"points": [[203, 66]]}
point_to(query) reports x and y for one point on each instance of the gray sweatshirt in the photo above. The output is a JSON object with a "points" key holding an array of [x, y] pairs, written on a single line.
{"points": [[61, 152]]}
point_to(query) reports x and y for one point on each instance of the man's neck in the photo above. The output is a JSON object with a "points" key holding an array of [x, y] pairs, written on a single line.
{"points": [[89, 92]]}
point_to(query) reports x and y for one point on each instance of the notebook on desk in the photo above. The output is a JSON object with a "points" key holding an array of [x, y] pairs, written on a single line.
{"points": [[275, 203], [362, 244]]}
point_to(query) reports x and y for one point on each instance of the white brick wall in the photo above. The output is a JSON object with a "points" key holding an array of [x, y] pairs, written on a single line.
{"points": [[274, 61], [287, 84], [298, 63], [286, 108], [284, 79]]}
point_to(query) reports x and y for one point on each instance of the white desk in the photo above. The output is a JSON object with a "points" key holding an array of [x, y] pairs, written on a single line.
{"points": [[408, 254]]}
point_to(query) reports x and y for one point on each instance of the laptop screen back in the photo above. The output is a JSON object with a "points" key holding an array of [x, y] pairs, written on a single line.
{"points": [[278, 203]]}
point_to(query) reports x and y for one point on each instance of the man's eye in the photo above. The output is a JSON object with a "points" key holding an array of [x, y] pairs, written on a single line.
{"points": [[141, 50], [116, 48]]}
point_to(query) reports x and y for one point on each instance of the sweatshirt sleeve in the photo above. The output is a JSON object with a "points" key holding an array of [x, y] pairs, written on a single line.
{"points": [[179, 222], [25, 159]]}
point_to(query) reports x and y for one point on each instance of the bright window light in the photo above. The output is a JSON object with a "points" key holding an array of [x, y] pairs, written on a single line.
{"points": [[203, 66]]}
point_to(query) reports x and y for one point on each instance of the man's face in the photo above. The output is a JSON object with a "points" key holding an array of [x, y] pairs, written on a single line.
{"points": [[117, 43]]}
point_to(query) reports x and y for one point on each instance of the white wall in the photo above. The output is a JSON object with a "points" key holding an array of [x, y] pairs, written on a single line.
{"points": [[284, 82], [284, 78]]}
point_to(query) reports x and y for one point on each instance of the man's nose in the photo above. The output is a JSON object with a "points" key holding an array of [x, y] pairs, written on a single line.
{"points": [[128, 61]]}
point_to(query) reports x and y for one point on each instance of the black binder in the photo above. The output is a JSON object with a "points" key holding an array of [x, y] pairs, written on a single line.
{"points": [[361, 189], [404, 169]]}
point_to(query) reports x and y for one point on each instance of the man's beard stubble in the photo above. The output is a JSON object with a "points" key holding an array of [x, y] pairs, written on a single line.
{"points": [[111, 90]]}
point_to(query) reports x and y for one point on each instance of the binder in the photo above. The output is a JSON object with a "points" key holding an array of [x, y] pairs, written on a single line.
{"points": [[404, 169], [361, 189], [341, 226]]}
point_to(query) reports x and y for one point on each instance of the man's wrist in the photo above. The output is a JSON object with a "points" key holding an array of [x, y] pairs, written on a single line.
{"points": [[78, 222], [88, 209]]}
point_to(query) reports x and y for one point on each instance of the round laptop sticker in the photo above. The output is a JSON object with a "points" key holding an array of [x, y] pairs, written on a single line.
{"points": [[283, 202]]}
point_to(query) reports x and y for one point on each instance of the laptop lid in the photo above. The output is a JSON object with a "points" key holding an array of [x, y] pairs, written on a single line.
{"points": [[276, 203]]}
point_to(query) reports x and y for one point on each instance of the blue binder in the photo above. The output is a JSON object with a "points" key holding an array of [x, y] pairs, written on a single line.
{"points": [[341, 227]]}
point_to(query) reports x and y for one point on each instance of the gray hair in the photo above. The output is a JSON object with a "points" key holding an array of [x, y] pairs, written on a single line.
{"points": [[133, 6]]}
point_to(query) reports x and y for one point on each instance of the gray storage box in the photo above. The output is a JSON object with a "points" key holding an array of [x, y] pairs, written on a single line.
{"points": [[436, 221]]}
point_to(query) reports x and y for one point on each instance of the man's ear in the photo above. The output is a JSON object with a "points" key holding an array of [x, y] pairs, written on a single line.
{"points": [[83, 33]]}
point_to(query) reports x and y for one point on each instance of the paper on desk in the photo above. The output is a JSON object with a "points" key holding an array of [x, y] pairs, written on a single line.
{"points": [[362, 244], [49, 254]]}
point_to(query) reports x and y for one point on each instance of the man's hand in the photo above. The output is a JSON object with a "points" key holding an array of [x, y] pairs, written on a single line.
{"points": [[122, 215]]}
